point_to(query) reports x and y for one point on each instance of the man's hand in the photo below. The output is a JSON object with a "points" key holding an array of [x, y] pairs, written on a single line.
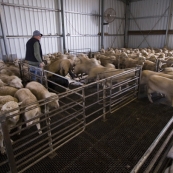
{"points": [[42, 64]]}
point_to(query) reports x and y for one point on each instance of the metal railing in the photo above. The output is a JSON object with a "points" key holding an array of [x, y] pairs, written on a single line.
{"points": [[153, 158], [79, 107]]}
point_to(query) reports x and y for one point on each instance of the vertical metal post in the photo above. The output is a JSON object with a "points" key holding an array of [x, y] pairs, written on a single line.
{"points": [[102, 22], [46, 111], [127, 21], [3, 30], [138, 74], [168, 23], [8, 146], [63, 27], [84, 114], [104, 100]]}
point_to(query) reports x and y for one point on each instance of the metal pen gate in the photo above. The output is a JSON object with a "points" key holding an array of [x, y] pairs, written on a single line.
{"points": [[79, 107]]}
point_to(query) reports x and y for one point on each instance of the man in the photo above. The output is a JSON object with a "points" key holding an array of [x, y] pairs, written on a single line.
{"points": [[34, 54]]}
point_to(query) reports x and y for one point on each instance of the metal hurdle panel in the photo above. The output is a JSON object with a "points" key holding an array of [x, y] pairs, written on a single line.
{"points": [[86, 51], [58, 126], [123, 88], [155, 158], [79, 107]]}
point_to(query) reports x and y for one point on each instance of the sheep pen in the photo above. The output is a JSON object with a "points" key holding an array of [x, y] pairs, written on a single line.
{"points": [[77, 119]]}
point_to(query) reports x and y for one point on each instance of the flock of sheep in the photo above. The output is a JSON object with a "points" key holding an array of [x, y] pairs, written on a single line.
{"points": [[103, 64], [14, 96]]}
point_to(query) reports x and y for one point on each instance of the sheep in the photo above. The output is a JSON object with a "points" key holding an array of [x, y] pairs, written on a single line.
{"points": [[162, 85], [7, 90], [103, 73], [13, 81], [7, 98], [66, 66], [15, 70], [149, 65], [147, 73], [84, 65], [2, 83], [169, 62], [11, 121], [53, 67], [106, 61], [129, 63], [28, 100], [152, 58], [42, 93]]}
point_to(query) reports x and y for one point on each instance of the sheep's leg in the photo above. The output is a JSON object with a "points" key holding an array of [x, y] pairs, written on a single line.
{"points": [[149, 95], [71, 74], [2, 144], [38, 127], [2, 150], [19, 128]]}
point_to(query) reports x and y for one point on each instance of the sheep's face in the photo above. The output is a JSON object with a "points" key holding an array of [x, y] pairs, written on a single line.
{"points": [[9, 106], [54, 103], [16, 82]]}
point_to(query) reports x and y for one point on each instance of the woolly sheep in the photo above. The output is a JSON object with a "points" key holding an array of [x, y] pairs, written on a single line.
{"points": [[7, 98], [11, 121], [28, 100], [42, 93], [85, 64], [7, 90], [13, 81], [161, 85], [2, 83]]}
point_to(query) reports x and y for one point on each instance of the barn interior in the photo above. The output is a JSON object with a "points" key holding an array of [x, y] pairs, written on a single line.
{"points": [[112, 108]]}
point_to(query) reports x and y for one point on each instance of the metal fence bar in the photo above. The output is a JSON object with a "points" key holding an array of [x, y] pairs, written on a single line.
{"points": [[73, 116], [7, 141], [153, 161], [27, 6], [151, 148]]}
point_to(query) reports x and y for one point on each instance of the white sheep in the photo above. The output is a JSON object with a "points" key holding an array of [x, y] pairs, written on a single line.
{"points": [[13, 108], [2, 83], [13, 81], [42, 93], [84, 65], [103, 73], [149, 65], [7, 98], [129, 63], [28, 101], [147, 73], [7, 90], [161, 85]]}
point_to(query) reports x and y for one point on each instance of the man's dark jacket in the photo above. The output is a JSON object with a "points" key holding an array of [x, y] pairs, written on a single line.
{"points": [[30, 50]]}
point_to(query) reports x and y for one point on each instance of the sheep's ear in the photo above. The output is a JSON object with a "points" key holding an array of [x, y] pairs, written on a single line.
{"points": [[19, 103]]}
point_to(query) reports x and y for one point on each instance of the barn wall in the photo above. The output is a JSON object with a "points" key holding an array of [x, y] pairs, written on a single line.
{"points": [[117, 27], [82, 21], [82, 24], [20, 22], [148, 15]]}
